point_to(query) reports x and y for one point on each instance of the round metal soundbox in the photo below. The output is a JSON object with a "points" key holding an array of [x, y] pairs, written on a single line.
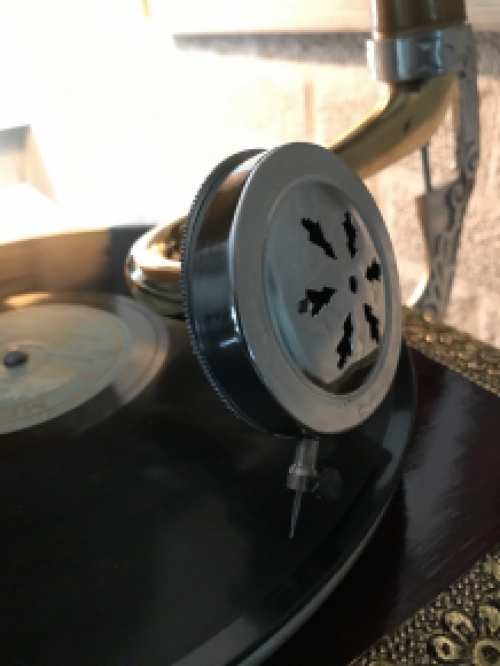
{"points": [[291, 291]]}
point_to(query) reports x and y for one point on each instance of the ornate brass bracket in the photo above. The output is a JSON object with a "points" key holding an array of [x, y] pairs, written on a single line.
{"points": [[442, 211]]}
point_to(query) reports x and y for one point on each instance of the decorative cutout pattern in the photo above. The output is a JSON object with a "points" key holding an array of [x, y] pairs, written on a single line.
{"points": [[373, 323], [315, 301], [374, 272], [317, 237], [346, 348], [350, 232]]}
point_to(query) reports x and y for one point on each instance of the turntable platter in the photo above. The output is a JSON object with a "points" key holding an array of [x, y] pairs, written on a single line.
{"points": [[141, 522]]}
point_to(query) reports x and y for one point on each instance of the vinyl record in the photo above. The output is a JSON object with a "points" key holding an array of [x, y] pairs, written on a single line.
{"points": [[142, 523], [61, 352]]}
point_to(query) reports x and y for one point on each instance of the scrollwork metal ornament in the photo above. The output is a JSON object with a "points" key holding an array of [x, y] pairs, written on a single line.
{"points": [[441, 210]]}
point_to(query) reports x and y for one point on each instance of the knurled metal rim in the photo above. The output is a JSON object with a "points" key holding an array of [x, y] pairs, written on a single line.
{"points": [[231, 375]]}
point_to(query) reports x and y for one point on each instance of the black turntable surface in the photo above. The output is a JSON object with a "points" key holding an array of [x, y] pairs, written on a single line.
{"points": [[141, 523]]}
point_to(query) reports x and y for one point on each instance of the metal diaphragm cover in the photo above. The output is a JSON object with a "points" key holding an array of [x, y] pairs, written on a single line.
{"points": [[291, 291]]}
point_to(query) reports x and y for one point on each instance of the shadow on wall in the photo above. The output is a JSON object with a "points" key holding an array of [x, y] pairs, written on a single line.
{"points": [[331, 48]]}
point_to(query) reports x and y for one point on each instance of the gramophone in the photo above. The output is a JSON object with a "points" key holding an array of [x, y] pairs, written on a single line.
{"points": [[149, 445]]}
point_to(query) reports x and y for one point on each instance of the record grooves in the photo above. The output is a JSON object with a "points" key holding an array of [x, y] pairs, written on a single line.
{"points": [[85, 356], [148, 525]]}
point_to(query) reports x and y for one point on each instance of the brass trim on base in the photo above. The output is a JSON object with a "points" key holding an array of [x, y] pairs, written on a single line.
{"points": [[461, 626], [475, 360]]}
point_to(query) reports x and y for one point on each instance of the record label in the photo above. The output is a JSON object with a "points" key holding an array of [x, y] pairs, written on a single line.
{"points": [[66, 354]]}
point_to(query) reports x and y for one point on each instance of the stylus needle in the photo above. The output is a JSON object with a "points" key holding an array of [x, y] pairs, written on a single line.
{"points": [[295, 512]]}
